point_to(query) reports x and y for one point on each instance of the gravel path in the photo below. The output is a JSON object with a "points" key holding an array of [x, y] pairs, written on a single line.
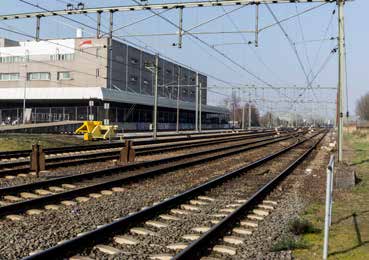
{"points": [[18, 239]]}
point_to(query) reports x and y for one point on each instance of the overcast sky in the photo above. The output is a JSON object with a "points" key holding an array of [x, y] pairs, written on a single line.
{"points": [[273, 62]]}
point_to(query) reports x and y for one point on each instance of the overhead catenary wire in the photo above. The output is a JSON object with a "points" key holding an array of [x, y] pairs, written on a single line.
{"points": [[214, 49], [155, 51]]}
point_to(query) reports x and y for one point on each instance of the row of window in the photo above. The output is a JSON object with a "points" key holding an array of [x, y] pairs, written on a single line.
{"points": [[26, 58], [62, 75]]}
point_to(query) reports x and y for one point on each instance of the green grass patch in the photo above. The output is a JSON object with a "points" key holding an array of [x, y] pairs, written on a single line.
{"points": [[289, 243], [349, 234], [300, 226], [12, 142]]}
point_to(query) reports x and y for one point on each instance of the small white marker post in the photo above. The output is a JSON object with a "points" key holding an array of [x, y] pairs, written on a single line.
{"points": [[328, 206]]}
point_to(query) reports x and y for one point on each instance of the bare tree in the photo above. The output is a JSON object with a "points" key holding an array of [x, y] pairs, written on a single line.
{"points": [[235, 107], [362, 107]]}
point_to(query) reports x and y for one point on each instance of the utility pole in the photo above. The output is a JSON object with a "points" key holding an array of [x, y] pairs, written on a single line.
{"points": [[249, 128], [178, 92], [243, 111], [155, 116], [197, 103], [341, 74], [25, 94], [111, 49], [200, 107]]}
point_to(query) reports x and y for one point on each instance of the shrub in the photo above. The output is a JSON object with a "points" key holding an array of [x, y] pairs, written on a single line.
{"points": [[288, 243], [302, 226]]}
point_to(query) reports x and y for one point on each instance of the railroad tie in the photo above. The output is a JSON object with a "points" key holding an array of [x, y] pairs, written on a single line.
{"points": [[177, 246], [180, 212], [107, 249], [52, 207], [14, 217], [190, 207], [156, 224], [12, 198], [28, 195], [56, 189], [161, 257], [42, 192], [34, 212], [202, 229], [242, 231], [68, 203], [125, 240], [233, 240], [226, 250], [142, 231], [191, 237], [169, 217]]}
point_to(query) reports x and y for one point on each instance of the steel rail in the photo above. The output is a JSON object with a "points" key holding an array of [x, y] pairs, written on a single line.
{"points": [[72, 246], [151, 172], [197, 248], [65, 161], [193, 136]]}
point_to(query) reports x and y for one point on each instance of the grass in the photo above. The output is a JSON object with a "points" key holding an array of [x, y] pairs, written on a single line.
{"points": [[349, 235], [300, 226], [12, 142], [289, 243]]}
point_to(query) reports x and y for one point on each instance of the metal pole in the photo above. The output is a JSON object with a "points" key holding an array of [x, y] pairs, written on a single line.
{"points": [[249, 127], [25, 95], [98, 27], [38, 18], [111, 50], [178, 92], [257, 25], [200, 107], [197, 103], [328, 208], [233, 101], [341, 74], [243, 111], [155, 117], [180, 32]]}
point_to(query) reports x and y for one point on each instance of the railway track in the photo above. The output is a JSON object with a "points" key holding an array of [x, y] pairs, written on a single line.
{"points": [[12, 155], [76, 158], [18, 199], [172, 215]]}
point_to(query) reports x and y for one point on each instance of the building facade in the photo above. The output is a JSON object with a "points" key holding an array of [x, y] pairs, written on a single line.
{"points": [[69, 73]]}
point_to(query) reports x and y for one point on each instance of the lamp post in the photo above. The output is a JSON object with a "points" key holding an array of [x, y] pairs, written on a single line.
{"points": [[25, 94]]}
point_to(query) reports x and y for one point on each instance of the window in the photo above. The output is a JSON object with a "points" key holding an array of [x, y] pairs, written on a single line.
{"points": [[133, 79], [9, 76], [66, 57], [12, 59], [134, 61], [146, 82], [39, 76], [64, 75]]}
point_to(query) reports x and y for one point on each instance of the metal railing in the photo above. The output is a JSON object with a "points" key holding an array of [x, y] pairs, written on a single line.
{"points": [[328, 205]]}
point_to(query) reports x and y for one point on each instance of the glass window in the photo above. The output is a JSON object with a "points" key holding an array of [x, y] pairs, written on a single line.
{"points": [[9, 76], [64, 75], [39, 76]]}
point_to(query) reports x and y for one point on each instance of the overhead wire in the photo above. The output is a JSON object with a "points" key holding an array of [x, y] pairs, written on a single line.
{"points": [[214, 49], [145, 47]]}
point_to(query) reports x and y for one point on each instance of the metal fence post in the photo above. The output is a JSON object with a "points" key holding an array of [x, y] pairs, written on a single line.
{"points": [[328, 205]]}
